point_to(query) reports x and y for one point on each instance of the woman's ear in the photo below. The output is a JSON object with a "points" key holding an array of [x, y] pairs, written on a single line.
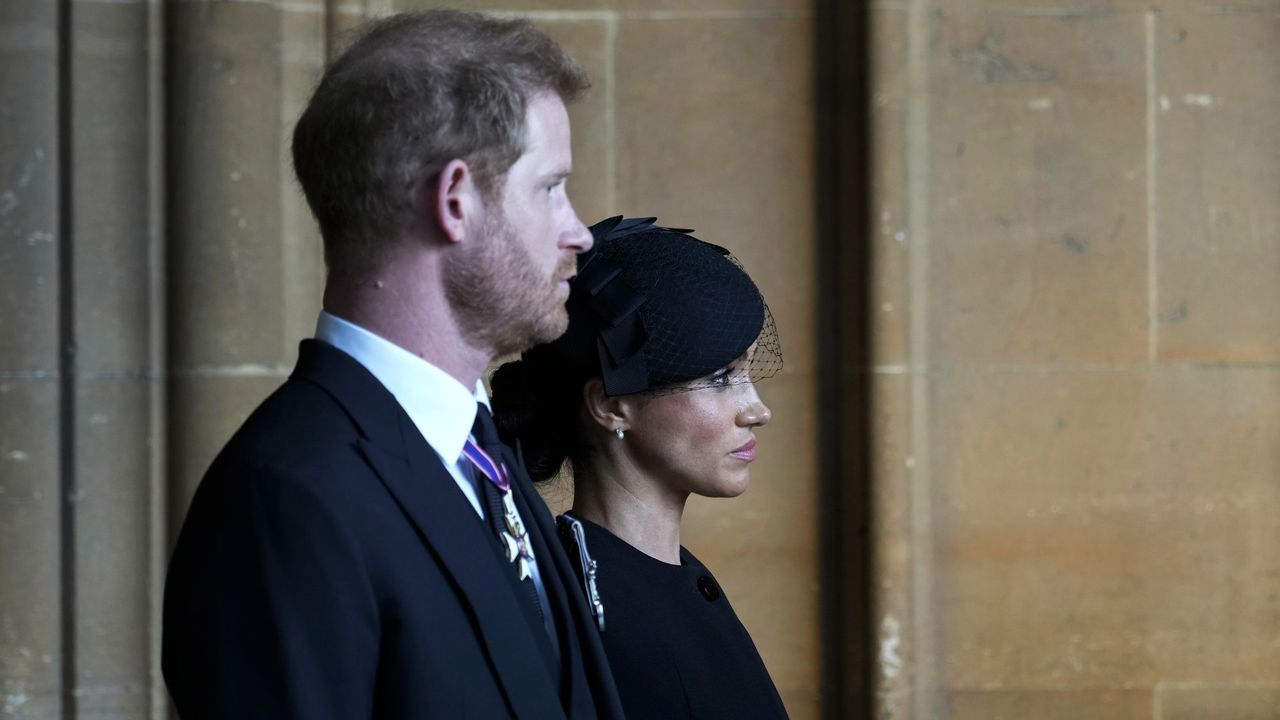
{"points": [[608, 413], [454, 200]]}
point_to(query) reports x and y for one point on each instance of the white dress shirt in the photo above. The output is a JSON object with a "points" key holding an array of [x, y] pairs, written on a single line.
{"points": [[440, 407]]}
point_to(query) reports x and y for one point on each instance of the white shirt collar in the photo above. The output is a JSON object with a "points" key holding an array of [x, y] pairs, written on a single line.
{"points": [[440, 407]]}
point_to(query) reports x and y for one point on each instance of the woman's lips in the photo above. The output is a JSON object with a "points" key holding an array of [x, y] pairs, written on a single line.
{"points": [[747, 452]]}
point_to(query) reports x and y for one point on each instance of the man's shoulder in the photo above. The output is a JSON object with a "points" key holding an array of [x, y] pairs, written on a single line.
{"points": [[297, 456], [299, 413], [300, 430], [313, 411], [313, 434]]}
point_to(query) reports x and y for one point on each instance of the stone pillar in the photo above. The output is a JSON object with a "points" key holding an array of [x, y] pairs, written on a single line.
{"points": [[31, 306], [245, 261], [79, 492], [117, 304], [88, 458]]}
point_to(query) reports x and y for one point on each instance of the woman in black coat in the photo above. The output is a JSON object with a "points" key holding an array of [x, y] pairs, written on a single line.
{"points": [[650, 397]]}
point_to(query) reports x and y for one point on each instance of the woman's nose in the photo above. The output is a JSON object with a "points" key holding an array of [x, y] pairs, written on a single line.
{"points": [[756, 413]]}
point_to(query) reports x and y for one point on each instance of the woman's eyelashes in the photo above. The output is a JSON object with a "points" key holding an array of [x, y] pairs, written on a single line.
{"points": [[721, 377], [729, 374]]}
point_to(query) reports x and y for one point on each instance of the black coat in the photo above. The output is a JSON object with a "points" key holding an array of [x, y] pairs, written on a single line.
{"points": [[329, 567], [675, 645]]}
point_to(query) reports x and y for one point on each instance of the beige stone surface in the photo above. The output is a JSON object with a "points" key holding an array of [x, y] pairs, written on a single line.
{"points": [[114, 538], [30, 585], [676, 8], [1218, 180], [888, 297], [112, 249], [302, 52], [1036, 192], [28, 187], [712, 144], [1220, 702], [592, 187], [887, 490], [225, 263], [1086, 8], [726, 150], [1051, 705], [1041, 530], [30, 609], [1100, 536], [1107, 529], [343, 23], [1213, 589]]}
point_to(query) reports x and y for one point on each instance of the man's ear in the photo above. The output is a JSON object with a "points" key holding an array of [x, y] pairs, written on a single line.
{"points": [[455, 201], [609, 413]]}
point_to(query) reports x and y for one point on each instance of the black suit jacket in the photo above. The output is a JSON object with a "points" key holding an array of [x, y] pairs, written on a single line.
{"points": [[329, 567]]}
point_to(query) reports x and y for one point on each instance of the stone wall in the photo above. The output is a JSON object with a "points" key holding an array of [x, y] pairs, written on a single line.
{"points": [[1076, 379], [1024, 260]]}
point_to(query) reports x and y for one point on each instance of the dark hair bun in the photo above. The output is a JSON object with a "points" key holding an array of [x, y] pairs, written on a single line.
{"points": [[536, 413]]}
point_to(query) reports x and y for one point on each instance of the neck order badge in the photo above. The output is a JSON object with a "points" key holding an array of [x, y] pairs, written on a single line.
{"points": [[513, 534]]}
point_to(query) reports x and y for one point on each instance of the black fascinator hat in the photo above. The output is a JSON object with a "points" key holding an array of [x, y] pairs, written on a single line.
{"points": [[654, 309]]}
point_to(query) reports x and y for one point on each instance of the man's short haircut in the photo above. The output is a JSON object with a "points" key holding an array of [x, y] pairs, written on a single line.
{"points": [[412, 93]]}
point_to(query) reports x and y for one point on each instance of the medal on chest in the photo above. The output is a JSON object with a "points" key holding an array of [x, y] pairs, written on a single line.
{"points": [[514, 538]]}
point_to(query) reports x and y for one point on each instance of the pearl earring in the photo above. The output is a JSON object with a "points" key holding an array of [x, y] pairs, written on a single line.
{"points": [[619, 432]]}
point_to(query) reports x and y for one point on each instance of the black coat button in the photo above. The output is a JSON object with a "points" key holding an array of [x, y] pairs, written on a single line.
{"points": [[708, 588]]}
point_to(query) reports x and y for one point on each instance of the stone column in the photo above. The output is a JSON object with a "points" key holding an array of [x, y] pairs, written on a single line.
{"points": [[100, 302], [245, 262], [30, 310], [117, 305], [80, 440]]}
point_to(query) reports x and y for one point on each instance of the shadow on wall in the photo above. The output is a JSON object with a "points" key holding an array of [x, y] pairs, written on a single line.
{"points": [[842, 65]]}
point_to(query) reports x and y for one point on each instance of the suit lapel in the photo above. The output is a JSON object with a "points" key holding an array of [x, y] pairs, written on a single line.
{"points": [[583, 652], [412, 472], [449, 526]]}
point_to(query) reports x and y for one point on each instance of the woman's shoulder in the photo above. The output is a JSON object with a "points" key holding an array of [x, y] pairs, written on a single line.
{"points": [[672, 637]]}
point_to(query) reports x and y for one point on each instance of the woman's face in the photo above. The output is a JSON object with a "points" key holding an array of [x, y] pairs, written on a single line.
{"points": [[701, 441]]}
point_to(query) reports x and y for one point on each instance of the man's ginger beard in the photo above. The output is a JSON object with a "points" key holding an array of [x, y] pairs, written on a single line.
{"points": [[498, 296]]}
